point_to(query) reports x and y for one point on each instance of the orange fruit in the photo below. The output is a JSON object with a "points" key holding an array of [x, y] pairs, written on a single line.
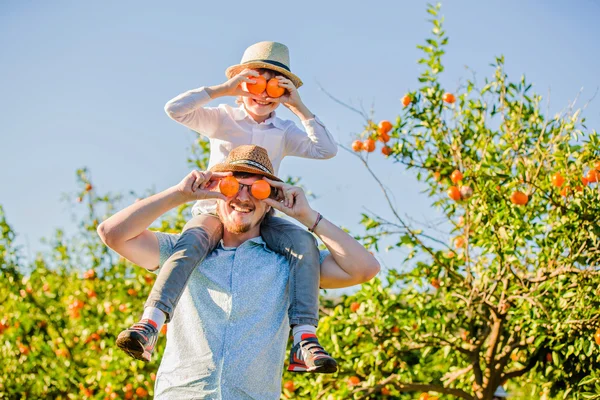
{"points": [[437, 176], [163, 330], [597, 165], [565, 191], [385, 127], [449, 98], [519, 198], [456, 176], [132, 292], [592, 175], [229, 186], [258, 87], [435, 283], [557, 180], [289, 385], [357, 146], [141, 392], [273, 88], [424, 396], [88, 187], [260, 189], [406, 100], [459, 242], [454, 193], [122, 307], [369, 145], [354, 306], [384, 137], [353, 381], [597, 337], [385, 391], [386, 150], [584, 181]]}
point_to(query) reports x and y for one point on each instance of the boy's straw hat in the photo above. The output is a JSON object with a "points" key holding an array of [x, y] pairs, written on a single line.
{"points": [[248, 158], [270, 55]]}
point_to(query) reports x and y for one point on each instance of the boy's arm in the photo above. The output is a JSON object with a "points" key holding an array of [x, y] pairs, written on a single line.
{"points": [[127, 232], [349, 262], [188, 108], [316, 141]]}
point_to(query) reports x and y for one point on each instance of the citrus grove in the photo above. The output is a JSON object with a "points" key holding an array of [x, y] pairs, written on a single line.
{"points": [[506, 291]]}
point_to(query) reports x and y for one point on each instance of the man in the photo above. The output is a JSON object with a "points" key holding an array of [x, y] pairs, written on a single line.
{"points": [[228, 335]]}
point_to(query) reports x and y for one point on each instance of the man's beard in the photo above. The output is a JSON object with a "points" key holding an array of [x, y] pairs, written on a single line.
{"points": [[236, 228]]}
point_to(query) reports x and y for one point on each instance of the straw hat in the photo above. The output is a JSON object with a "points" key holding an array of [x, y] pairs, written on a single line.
{"points": [[271, 55], [247, 158]]}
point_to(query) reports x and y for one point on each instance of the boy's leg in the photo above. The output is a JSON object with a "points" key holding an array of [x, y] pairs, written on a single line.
{"points": [[300, 248], [199, 236]]}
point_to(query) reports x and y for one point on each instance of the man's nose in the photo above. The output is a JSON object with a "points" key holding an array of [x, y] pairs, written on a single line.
{"points": [[243, 193]]}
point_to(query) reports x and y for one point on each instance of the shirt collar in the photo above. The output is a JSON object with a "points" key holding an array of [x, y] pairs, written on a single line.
{"points": [[240, 113], [258, 240]]}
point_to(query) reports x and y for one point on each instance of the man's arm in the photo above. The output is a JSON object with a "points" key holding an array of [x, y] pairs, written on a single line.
{"points": [[127, 232], [349, 262]]}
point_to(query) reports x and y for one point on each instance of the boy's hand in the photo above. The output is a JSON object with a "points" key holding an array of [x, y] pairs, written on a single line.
{"points": [[293, 202], [200, 185], [233, 86]]}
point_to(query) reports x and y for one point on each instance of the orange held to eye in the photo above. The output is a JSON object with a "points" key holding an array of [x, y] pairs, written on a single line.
{"points": [[261, 189], [229, 186], [273, 88], [258, 87]]}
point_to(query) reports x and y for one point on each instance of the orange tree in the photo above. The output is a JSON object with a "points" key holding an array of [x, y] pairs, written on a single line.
{"points": [[508, 292], [60, 313]]}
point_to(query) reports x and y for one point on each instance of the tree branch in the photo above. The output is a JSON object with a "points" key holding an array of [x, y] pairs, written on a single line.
{"points": [[411, 387]]}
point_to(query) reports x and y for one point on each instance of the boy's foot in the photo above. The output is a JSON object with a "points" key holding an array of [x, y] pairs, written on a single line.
{"points": [[309, 356], [139, 340]]}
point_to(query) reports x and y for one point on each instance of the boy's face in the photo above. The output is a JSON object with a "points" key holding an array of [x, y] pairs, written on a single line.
{"points": [[260, 109]]}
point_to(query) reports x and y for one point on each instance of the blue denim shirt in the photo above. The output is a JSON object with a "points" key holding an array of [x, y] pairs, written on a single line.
{"points": [[227, 338]]}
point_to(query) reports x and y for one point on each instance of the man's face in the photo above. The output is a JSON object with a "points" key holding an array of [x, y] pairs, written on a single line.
{"points": [[257, 108], [242, 212]]}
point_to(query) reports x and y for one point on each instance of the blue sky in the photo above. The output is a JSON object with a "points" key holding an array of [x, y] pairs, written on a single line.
{"points": [[84, 84]]}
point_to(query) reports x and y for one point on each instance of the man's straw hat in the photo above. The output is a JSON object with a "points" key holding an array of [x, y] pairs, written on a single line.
{"points": [[247, 158], [271, 55]]}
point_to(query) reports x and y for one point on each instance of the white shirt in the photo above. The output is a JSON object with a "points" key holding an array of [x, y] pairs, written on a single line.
{"points": [[227, 128]]}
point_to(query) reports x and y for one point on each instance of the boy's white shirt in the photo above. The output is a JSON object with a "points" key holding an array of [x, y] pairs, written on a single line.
{"points": [[227, 127]]}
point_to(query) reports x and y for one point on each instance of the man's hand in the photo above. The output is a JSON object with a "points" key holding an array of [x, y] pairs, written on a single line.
{"points": [[233, 86], [292, 202], [199, 185]]}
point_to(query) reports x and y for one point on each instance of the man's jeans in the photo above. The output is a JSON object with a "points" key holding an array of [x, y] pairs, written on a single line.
{"points": [[196, 241]]}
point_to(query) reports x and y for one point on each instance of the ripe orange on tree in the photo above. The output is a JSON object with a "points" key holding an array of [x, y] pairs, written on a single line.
{"points": [[424, 396], [353, 381], [354, 306], [260, 189], [88, 187], [597, 337], [519, 198], [557, 180], [386, 150], [132, 292], [384, 137], [369, 145], [584, 181], [273, 88], [141, 392], [385, 391], [406, 100], [449, 98], [229, 186], [459, 242], [592, 175], [289, 385], [357, 146], [456, 176], [435, 283], [384, 127], [258, 87], [454, 193]]}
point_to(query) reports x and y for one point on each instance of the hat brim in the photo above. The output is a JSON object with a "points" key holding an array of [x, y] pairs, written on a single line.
{"points": [[236, 69], [242, 168]]}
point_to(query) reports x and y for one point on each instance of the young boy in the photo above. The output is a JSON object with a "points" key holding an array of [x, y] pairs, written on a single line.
{"points": [[253, 122]]}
